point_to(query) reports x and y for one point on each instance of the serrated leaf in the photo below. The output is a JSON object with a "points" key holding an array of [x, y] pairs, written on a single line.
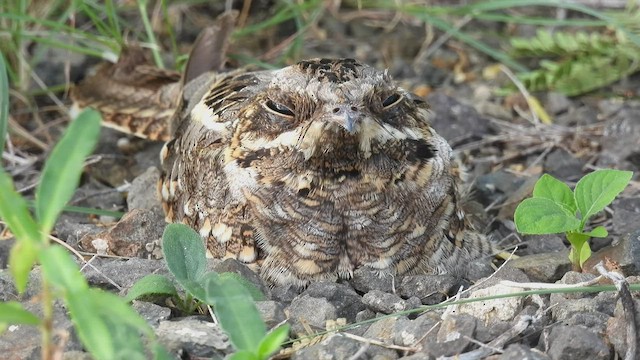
{"points": [[235, 310], [61, 173], [543, 216], [13, 312], [273, 341], [548, 187], [598, 232], [22, 257], [598, 189], [152, 284]]}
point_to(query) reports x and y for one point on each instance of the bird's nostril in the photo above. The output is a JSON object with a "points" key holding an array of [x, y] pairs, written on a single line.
{"points": [[353, 108], [336, 110]]}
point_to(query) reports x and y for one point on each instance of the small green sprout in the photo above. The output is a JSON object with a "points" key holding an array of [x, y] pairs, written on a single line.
{"points": [[554, 208]]}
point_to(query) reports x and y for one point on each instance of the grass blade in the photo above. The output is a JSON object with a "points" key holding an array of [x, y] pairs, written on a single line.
{"points": [[62, 171], [4, 102]]}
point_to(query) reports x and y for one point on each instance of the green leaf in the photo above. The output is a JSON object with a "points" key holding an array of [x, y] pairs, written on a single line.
{"points": [[543, 216], [112, 306], [184, 251], [273, 341], [243, 355], [12, 312], [21, 259], [14, 211], [160, 353], [598, 189], [90, 327], [4, 102], [255, 292], [61, 173], [236, 311], [585, 253], [578, 241], [152, 284], [60, 270], [598, 232], [548, 187]]}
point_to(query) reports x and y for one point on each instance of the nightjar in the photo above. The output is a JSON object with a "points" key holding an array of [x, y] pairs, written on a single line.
{"points": [[310, 171]]}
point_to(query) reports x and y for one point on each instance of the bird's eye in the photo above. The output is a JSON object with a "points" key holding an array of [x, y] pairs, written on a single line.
{"points": [[391, 100], [278, 108]]}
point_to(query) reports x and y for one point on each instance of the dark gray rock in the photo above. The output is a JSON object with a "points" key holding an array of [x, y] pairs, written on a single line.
{"points": [[5, 249], [563, 165], [620, 147], [24, 341], [386, 303], [456, 122], [625, 252], [556, 103], [430, 289], [627, 213], [418, 332], [454, 336], [519, 352], [382, 330], [195, 337], [547, 267], [240, 268], [366, 279], [541, 244], [576, 343], [343, 298], [311, 311], [123, 273], [495, 186], [143, 191], [285, 293], [364, 315], [584, 115], [137, 234], [151, 312], [338, 347], [72, 227], [272, 312], [595, 321], [617, 329]]}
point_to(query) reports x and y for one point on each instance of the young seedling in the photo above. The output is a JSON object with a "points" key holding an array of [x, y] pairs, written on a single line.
{"points": [[554, 208], [231, 295]]}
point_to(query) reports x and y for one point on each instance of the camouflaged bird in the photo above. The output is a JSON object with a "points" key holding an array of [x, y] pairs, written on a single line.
{"points": [[310, 171]]}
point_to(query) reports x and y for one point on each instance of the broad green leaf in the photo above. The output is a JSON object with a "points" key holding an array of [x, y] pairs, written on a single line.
{"points": [[598, 232], [598, 189], [21, 259], [585, 253], [255, 292], [184, 251], [14, 212], [4, 102], [61, 173], [113, 307], [152, 284], [236, 311], [543, 216], [60, 270], [90, 326], [548, 187], [273, 341], [243, 355], [13, 313]]}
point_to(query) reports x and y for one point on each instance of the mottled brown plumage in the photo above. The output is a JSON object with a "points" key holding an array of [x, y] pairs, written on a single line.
{"points": [[313, 171]]}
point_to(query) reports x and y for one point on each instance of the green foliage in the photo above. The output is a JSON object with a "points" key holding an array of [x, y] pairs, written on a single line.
{"points": [[4, 102], [577, 60], [231, 297], [104, 322], [554, 208]]}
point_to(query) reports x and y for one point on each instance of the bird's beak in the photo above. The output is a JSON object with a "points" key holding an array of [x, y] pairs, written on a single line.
{"points": [[347, 117]]}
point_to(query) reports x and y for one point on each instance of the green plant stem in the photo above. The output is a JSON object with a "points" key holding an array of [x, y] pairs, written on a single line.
{"points": [[47, 320]]}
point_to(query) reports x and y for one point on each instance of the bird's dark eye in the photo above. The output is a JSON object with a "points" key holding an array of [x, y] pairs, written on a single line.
{"points": [[392, 100], [278, 108]]}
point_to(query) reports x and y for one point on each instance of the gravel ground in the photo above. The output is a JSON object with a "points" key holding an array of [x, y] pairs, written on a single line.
{"points": [[504, 153]]}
